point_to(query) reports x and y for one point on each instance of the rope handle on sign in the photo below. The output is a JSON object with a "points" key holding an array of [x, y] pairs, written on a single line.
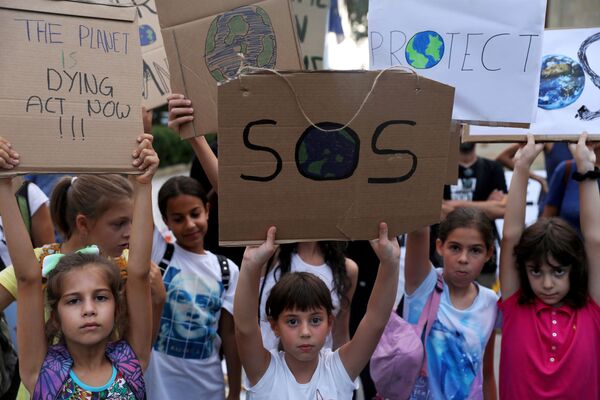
{"points": [[249, 68]]}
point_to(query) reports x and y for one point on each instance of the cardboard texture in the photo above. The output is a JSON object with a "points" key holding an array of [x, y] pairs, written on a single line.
{"points": [[453, 152], [204, 41], [276, 169], [69, 85], [155, 73], [311, 17]]}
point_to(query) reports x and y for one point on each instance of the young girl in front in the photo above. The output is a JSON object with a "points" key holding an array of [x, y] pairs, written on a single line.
{"points": [[83, 290], [550, 280], [460, 345], [300, 311], [185, 359]]}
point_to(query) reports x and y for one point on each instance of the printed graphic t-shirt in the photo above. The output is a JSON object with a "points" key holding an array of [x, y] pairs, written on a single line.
{"points": [[185, 359], [457, 341], [330, 380]]}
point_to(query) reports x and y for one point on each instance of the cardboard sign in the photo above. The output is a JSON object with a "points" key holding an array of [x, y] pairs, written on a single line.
{"points": [[155, 75], [207, 42], [276, 169], [569, 96], [311, 18], [486, 49], [69, 85]]}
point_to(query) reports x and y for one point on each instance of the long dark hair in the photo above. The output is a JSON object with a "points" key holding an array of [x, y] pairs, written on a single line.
{"points": [[553, 237], [333, 254]]}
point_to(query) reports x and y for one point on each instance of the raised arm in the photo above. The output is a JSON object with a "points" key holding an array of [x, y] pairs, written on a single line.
{"points": [[514, 217], [341, 325], [255, 358], [30, 317], [589, 198], [416, 261], [356, 353], [181, 112], [139, 334], [506, 158]]}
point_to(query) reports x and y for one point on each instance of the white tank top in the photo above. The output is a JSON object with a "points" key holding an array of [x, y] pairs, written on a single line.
{"points": [[323, 271]]}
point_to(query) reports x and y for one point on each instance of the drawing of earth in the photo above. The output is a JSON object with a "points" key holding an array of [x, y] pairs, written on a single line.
{"points": [[327, 155], [147, 35], [425, 50], [561, 82], [245, 30]]}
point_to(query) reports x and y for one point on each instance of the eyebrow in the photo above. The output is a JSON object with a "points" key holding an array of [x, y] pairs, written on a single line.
{"points": [[79, 293]]}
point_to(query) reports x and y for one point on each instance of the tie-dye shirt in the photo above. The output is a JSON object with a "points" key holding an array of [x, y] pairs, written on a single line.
{"points": [[457, 340]]}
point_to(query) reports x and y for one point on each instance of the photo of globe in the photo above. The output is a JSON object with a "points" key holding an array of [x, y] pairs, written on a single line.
{"points": [[561, 82], [425, 50], [147, 35], [324, 156], [245, 30]]}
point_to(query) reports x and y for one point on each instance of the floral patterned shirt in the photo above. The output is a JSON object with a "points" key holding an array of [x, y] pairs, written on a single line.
{"points": [[115, 388]]}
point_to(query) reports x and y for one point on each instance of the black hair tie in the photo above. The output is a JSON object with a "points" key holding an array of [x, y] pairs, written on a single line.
{"points": [[592, 174]]}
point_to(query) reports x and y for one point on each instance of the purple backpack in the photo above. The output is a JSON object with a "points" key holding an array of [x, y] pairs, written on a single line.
{"points": [[58, 363], [399, 358]]}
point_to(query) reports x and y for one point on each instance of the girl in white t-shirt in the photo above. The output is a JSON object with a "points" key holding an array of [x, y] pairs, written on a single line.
{"points": [[299, 308], [198, 315]]}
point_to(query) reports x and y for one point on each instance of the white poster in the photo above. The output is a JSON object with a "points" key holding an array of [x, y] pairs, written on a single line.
{"points": [[488, 50], [569, 95], [311, 25]]}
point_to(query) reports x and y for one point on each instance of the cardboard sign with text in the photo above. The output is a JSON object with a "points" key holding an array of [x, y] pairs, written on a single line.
{"points": [[311, 17], [488, 50], [208, 41], [69, 85], [155, 75], [276, 169], [569, 97]]}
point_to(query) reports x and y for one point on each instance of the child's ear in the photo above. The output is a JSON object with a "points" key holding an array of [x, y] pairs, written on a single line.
{"points": [[490, 253], [274, 327], [439, 246], [82, 224]]}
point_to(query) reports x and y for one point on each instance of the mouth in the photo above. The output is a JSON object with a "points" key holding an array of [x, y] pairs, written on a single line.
{"points": [[305, 348], [90, 327]]}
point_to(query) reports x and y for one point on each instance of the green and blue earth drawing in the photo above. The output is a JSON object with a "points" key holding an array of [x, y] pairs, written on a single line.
{"points": [[147, 35], [244, 30], [327, 155], [561, 82], [425, 50]]}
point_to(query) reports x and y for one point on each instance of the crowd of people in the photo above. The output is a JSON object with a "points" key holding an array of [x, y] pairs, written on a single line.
{"points": [[113, 310]]}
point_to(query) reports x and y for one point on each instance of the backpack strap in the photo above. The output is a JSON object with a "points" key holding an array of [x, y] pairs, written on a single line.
{"points": [[166, 259], [121, 355], [53, 374], [225, 271], [427, 318]]}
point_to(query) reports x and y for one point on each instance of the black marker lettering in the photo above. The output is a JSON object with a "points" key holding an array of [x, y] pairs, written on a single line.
{"points": [[378, 131], [252, 146]]}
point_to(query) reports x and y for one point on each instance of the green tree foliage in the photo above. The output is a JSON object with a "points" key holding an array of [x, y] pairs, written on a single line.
{"points": [[170, 148]]}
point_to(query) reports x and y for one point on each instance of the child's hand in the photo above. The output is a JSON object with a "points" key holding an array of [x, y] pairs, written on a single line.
{"points": [[180, 111], [257, 256], [8, 157], [388, 251], [528, 153], [585, 157], [145, 159]]}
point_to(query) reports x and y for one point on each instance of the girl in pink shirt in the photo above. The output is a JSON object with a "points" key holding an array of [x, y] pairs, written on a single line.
{"points": [[550, 282]]}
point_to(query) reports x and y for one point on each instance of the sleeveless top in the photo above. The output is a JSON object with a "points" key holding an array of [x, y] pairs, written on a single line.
{"points": [[54, 374]]}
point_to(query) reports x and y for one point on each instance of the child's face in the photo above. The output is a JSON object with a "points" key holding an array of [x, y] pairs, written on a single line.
{"points": [[86, 308], [549, 281], [187, 217], [111, 230], [464, 253], [302, 333]]}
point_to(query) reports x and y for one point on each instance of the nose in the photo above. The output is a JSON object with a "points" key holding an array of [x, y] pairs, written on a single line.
{"points": [[127, 230], [189, 222], [547, 281], [305, 330], [89, 308], [463, 257]]}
